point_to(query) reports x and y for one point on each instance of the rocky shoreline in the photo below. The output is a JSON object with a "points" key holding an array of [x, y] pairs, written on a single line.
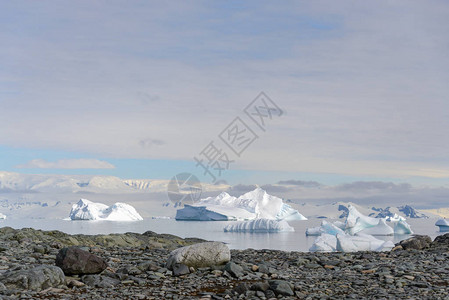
{"points": [[134, 266]]}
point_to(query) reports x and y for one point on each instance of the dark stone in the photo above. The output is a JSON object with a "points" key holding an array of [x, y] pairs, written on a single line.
{"points": [[441, 240], [263, 268], [260, 286], [241, 288], [234, 269], [417, 242], [74, 261], [180, 269], [281, 287]]}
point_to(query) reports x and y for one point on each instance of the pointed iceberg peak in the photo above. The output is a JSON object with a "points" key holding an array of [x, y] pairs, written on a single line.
{"points": [[223, 195], [257, 193]]}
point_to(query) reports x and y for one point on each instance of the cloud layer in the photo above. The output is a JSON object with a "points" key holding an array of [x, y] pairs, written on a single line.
{"points": [[81, 163], [363, 85]]}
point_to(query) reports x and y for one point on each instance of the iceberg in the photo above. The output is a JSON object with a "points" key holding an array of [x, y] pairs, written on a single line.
{"points": [[356, 221], [402, 227], [380, 229], [257, 204], [313, 231], [443, 224], [88, 210], [259, 225], [329, 228], [356, 234], [2, 216], [324, 243], [361, 242]]}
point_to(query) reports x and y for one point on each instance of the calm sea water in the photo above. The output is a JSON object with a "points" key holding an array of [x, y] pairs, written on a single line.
{"points": [[288, 241]]}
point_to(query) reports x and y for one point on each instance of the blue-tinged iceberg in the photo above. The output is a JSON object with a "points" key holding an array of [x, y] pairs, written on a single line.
{"points": [[256, 204], [443, 224], [402, 227], [259, 225]]}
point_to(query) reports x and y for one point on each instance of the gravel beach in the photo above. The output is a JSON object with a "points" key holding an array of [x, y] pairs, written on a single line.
{"points": [[135, 268]]}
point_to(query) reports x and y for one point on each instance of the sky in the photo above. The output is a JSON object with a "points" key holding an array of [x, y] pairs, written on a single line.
{"points": [[139, 89]]}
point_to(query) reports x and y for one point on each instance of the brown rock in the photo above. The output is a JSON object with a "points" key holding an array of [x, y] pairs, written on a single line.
{"points": [[74, 261]]}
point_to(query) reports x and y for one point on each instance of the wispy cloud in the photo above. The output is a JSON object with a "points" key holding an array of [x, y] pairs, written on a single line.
{"points": [[81, 163]]}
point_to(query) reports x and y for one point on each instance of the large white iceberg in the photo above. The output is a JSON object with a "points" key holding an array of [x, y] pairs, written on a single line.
{"points": [[2, 216], [443, 224], [256, 204], [88, 210], [259, 225]]}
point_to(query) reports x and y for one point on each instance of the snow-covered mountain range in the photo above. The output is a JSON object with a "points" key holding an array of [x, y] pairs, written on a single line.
{"points": [[30, 183]]}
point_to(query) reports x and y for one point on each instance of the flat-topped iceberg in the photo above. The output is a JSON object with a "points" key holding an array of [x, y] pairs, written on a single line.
{"points": [[361, 242], [88, 210], [259, 225], [443, 224], [256, 204]]}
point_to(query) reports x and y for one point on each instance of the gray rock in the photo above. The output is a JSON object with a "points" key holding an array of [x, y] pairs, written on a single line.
{"points": [[200, 255], [281, 287], [441, 240], [241, 288], [75, 261], [418, 242], [100, 281], [260, 286], [180, 269], [234, 269], [36, 279]]}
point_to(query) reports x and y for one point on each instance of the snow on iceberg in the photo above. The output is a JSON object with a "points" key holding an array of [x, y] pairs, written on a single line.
{"points": [[256, 204], [443, 224], [259, 225], [88, 210]]}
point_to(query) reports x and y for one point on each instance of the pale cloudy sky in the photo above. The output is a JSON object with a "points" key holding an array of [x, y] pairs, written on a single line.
{"points": [[137, 89]]}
